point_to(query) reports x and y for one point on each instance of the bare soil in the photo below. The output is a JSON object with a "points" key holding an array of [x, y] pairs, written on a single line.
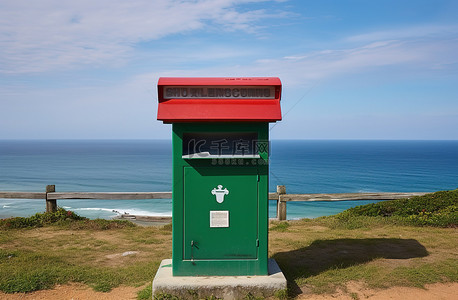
{"points": [[355, 290], [75, 291]]}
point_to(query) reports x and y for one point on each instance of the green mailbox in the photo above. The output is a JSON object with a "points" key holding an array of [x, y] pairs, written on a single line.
{"points": [[220, 172]]}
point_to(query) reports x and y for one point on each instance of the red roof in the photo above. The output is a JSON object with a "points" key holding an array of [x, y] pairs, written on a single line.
{"points": [[219, 81], [218, 99]]}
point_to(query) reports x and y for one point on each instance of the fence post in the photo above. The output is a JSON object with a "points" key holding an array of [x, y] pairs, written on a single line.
{"points": [[51, 205], [281, 205]]}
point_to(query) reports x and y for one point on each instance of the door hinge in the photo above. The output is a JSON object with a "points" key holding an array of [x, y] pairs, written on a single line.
{"points": [[257, 242], [258, 177]]}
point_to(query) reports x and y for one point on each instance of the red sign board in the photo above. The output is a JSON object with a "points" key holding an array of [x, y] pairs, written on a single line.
{"points": [[249, 99]]}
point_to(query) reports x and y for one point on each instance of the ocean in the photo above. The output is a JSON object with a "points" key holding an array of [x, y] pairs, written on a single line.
{"points": [[303, 166]]}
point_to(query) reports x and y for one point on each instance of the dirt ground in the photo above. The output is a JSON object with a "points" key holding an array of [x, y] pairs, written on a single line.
{"points": [[355, 290], [75, 291]]}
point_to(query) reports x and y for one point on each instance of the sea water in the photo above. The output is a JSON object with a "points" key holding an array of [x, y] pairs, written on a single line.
{"points": [[303, 166]]}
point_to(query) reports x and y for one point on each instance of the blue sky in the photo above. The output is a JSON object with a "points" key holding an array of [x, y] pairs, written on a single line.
{"points": [[350, 69]]}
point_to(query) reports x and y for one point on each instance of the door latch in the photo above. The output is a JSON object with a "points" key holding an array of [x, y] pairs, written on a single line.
{"points": [[193, 245]]}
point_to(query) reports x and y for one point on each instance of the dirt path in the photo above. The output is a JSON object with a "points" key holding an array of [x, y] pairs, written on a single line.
{"points": [[76, 291], [438, 291]]}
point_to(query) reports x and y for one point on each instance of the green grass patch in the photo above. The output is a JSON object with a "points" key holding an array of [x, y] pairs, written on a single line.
{"points": [[381, 256], [62, 218], [146, 293], [46, 249], [379, 249], [436, 209], [40, 219], [409, 242], [98, 224], [376, 276], [25, 271], [279, 226]]}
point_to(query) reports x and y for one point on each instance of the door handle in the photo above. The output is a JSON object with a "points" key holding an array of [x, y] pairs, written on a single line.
{"points": [[193, 245]]}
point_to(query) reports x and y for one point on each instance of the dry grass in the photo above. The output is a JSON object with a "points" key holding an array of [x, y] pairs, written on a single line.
{"points": [[321, 258], [316, 255]]}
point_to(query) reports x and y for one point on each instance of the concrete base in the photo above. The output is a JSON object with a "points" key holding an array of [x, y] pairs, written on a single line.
{"points": [[225, 287]]}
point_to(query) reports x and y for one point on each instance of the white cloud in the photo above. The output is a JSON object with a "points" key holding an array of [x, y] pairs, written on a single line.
{"points": [[413, 32], [414, 56], [37, 36], [410, 51]]}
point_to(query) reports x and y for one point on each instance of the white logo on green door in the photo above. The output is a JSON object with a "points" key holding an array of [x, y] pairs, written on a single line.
{"points": [[219, 193]]}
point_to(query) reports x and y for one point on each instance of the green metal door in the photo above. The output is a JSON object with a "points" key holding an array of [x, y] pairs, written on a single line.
{"points": [[220, 213]]}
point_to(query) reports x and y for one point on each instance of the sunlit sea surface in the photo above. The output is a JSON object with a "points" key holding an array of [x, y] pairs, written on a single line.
{"points": [[146, 165]]}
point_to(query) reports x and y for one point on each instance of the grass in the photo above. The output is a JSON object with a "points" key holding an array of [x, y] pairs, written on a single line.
{"points": [[86, 251], [279, 226], [33, 266], [146, 293], [436, 209], [63, 219], [318, 255]]}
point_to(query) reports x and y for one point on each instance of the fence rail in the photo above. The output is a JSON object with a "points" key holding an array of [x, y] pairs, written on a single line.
{"points": [[51, 197], [110, 195], [22, 195]]}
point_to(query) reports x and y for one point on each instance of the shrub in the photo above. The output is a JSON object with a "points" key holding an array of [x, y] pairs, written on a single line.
{"points": [[280, 226], [436, 209], [40, 219], [63, 218]]}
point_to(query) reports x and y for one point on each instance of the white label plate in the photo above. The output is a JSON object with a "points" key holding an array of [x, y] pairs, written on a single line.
{"points": [[219, 218]]}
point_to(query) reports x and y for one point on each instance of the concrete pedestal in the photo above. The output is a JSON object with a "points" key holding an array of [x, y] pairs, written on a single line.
{"points": [[225, 287]]}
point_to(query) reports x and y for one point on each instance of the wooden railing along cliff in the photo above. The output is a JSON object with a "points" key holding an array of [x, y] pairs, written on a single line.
{"points": [[51, 197]]}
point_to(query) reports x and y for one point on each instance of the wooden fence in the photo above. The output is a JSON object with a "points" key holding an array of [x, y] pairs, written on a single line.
{"points": [[51, 197]]}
